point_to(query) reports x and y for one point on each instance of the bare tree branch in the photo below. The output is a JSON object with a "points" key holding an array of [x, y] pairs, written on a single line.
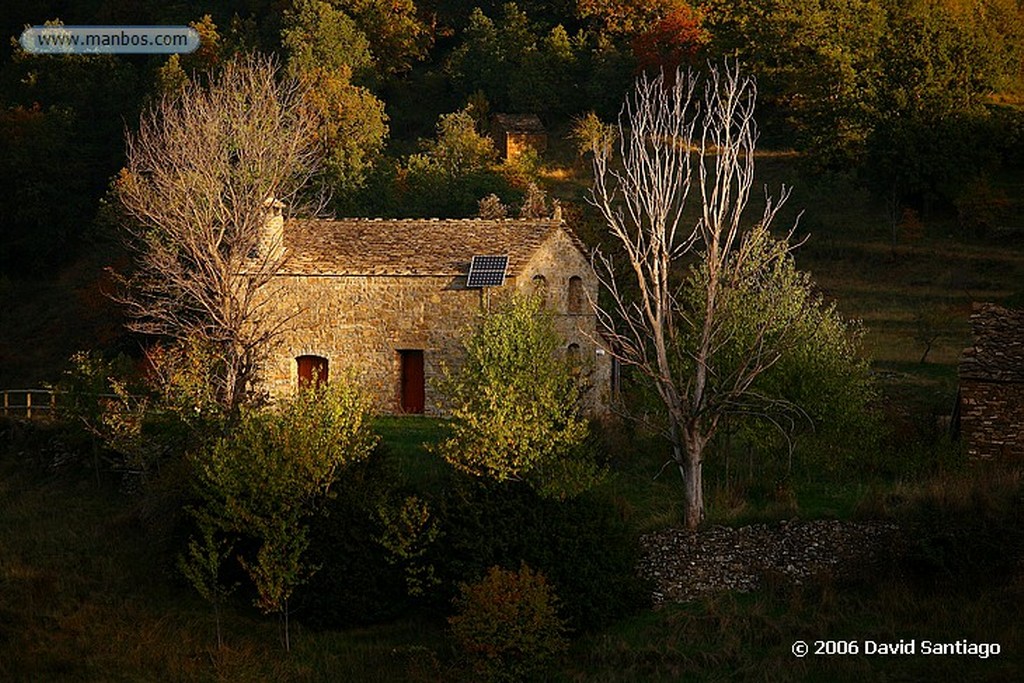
{"points": [[673, 144], [209, 171]]}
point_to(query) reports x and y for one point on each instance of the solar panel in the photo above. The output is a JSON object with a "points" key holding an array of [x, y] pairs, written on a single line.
{"points": [[487, 271]]}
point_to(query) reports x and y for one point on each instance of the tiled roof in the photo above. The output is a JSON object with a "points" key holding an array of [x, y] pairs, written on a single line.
{"points": [[362, 246], [517, 123], [998, 350]]}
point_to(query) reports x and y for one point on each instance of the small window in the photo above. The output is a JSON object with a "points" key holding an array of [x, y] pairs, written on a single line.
{"points": [[573, 353], [576, 295], [540, 282], [312, 371]]}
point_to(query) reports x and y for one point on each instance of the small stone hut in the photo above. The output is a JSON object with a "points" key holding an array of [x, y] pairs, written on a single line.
{"points": [[514, 133], [390, 300], [991, 399]]}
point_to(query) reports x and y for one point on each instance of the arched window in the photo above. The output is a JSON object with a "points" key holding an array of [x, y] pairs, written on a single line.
{"points": [[577, 298], [573, 353], [540, 283], [312, 371]]}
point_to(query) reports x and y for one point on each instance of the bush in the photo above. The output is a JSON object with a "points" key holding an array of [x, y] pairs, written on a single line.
{"points": [[507, 625], [581, 545], [356, 585]]}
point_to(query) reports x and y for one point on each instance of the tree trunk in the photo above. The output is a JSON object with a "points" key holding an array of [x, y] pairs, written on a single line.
{"points": [[689, 456], [693, 490]]}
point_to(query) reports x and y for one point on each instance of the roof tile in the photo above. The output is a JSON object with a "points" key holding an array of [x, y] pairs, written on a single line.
{"points": [[362, 246]]}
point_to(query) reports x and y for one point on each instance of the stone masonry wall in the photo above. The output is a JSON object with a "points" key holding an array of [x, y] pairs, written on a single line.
{"points": [[516, 143], [558, 261], [992, 418], [360, 323]]}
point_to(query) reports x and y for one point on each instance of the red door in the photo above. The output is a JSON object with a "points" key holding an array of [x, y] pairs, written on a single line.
{"points": [[412, 381]]}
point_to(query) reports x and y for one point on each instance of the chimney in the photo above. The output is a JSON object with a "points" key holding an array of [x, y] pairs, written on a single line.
{"points": [[272, 239]]}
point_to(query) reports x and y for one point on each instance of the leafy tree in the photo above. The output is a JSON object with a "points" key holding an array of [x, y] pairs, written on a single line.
{"points": [[817, 65], [319, 36], [453, 170], [202, 564], [626, 17], [326, 50], [268, 475], [515, 68], [515, 404], [170, 77], [211, 49], [673, 41], [590, 133], [458, 148], [48, 194], [703, 338], [397, 35], [931, 134], [61, 131], [818, 384]]}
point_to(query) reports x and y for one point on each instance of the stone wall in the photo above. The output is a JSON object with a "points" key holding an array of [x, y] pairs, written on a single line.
{"points": [[361, 323], [515, 143], [558, 261], [992, 418]]}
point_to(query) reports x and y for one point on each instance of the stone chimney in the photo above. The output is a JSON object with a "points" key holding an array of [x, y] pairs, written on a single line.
{"points": [[272, 239]]}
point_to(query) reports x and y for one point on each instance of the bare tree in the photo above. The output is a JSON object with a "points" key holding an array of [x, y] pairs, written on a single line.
{"points": [[676, 142], [208, 174]]}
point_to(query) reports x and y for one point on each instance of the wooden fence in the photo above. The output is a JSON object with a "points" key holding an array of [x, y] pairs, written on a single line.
{"points": [[28, 403]]}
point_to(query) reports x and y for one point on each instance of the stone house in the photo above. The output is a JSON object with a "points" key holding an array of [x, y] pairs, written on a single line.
{"points": [[990, 406], [390, 299], [514, 133]]}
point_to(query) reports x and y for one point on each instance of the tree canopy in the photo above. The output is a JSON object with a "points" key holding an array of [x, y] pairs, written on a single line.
{"points": [[515, 404]]}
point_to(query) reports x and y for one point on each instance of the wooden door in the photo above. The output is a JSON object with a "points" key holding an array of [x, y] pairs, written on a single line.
{"points": [[412, 380]]}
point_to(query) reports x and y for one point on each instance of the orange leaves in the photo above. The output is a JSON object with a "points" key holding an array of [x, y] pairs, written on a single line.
{"points": [[673, 41]]}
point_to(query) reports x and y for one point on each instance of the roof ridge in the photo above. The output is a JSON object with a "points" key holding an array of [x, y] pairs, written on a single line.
{"points": [[471, 219]]}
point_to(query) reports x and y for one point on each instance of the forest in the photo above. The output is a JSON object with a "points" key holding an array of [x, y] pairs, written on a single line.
{"points": [[157, 529]]}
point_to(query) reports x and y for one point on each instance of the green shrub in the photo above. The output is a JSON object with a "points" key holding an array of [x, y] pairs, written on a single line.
{"points": [[582, 545], [269, 475], [507, 625], [356, 585]]}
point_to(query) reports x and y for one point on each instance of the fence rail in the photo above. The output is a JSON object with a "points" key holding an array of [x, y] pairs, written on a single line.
{"points": [[28, 403]]}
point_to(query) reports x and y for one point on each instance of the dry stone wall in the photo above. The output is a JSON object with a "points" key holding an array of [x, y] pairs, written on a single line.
{"points": [[992, 418], [361, 323]]}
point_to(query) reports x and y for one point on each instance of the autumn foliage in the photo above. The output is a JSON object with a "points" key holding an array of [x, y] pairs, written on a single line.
{"points": [[673, 41]]}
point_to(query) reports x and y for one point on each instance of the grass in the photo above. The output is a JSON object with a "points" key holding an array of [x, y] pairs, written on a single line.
{"points": [[406, 439], [748, 637], [87, 595]]}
